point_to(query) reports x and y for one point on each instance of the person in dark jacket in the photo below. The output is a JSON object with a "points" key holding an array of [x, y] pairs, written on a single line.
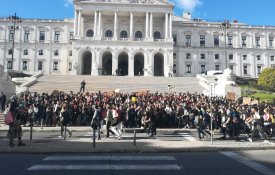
{"points": [[65, 120], [3, 101]]}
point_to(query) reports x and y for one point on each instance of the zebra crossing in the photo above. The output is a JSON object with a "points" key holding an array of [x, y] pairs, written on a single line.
{"points": [[107, 163], [180, 136]]}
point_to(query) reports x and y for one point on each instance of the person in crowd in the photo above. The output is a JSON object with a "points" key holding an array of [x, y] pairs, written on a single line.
{"points": [[3, 101], [65, 120], [95, 124], [257, 122], [15, 129]]}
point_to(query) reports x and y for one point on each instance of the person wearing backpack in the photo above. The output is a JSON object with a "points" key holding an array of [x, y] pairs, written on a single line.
{"points": [[109, 119], [95, 124]]}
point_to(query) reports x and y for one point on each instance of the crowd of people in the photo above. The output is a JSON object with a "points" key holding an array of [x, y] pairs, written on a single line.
{"points": [[144, 109]]}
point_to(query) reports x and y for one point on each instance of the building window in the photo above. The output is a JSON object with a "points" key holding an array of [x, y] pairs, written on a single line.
{"points": [[202, 40], [56, 52], [259, 69], [11, 35], [188, 40], [258, 40], [10, 51], [217, 56], [244, 57], [202, 56], [188, 56], [138, 34], [271, 42], [216, 41], [40, 52], [26, 52], [188, 68], [157, 35], [27, 36], [90, 33], [70, 53], [243, 41], [217, 67], [55, 65], [272, 58], [231, 67], [230, 39], [25, 65], [123, 34], [70, 66], [9, 65], [56, 36], [245, 70], [259, 57], [71, 35], [42, 36], [40, 65], [231, 56], [202, 68], [175, 39], [108, 34]]}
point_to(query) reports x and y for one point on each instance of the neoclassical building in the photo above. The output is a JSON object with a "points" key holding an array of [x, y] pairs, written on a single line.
{"points": [[133, 38]]}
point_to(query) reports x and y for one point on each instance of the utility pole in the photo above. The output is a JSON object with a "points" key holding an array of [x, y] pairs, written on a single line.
{"points": [[14, 19], [225, 25]]}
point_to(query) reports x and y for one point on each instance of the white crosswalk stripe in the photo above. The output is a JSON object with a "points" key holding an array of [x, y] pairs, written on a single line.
{"points": [[133, 163]]}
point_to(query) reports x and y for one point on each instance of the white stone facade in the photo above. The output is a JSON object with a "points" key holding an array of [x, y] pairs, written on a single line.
{"points": [[133, 37]]}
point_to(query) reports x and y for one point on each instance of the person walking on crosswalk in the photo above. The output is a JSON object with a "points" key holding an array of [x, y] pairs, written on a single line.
{"points": [[95, 124], [65, 120]]}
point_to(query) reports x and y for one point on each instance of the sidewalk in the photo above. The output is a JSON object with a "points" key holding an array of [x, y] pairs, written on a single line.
{"points": [[50, 143]]}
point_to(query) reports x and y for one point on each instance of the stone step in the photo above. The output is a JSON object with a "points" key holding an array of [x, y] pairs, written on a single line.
{"points": [[49, 83]]}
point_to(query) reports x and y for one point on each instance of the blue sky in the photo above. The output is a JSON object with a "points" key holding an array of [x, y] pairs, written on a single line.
{"points": [[254, 12]]}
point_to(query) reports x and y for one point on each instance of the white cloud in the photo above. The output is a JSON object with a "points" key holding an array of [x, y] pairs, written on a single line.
{"points": [[68, 3], [187, 5]]}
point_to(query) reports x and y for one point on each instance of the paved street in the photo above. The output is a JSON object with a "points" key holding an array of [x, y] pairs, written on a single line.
{"points": [[192, 163]]}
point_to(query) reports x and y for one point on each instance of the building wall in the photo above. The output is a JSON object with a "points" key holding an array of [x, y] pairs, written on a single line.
{"points": [[258, 56], [73, 42]]}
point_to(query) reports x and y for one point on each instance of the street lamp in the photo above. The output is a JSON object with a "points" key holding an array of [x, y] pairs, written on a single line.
{"points": [[14, 19], [225, 25]]}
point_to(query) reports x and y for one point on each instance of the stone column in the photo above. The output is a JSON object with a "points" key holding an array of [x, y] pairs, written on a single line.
{"points": [[170, 25], [79, 22], [99, 24], [95, 24], [151, 25], [166, 25], [147, 25], [115, 25], [131, 66], [75, 21], [114, 63], [131, 25], [82, 27]]}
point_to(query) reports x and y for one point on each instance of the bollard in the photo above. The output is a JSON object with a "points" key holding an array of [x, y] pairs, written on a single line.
{"points": [[31, 132], [135, 134], [93, 138], [65, 132], [31, 124]]}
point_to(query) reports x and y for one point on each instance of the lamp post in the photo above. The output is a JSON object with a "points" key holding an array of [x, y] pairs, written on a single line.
{"points": [[14, 19], [225, 25]]}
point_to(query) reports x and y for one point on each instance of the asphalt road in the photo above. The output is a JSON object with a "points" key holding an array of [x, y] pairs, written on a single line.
{"points": [[192, 163]]}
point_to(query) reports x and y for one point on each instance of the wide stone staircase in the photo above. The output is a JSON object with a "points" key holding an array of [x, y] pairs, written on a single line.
{"points": [[2, 119], [66, 83]]}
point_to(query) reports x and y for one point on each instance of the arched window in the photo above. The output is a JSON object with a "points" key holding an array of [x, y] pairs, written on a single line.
{"points": [[123, 34], [138, 34], [90, 33], [157, 35], [108, 34]]}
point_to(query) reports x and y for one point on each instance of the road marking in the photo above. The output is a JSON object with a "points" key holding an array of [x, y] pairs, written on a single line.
{"points": [[187, 137], [104, 167], [256, 166], [111, 158]]}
